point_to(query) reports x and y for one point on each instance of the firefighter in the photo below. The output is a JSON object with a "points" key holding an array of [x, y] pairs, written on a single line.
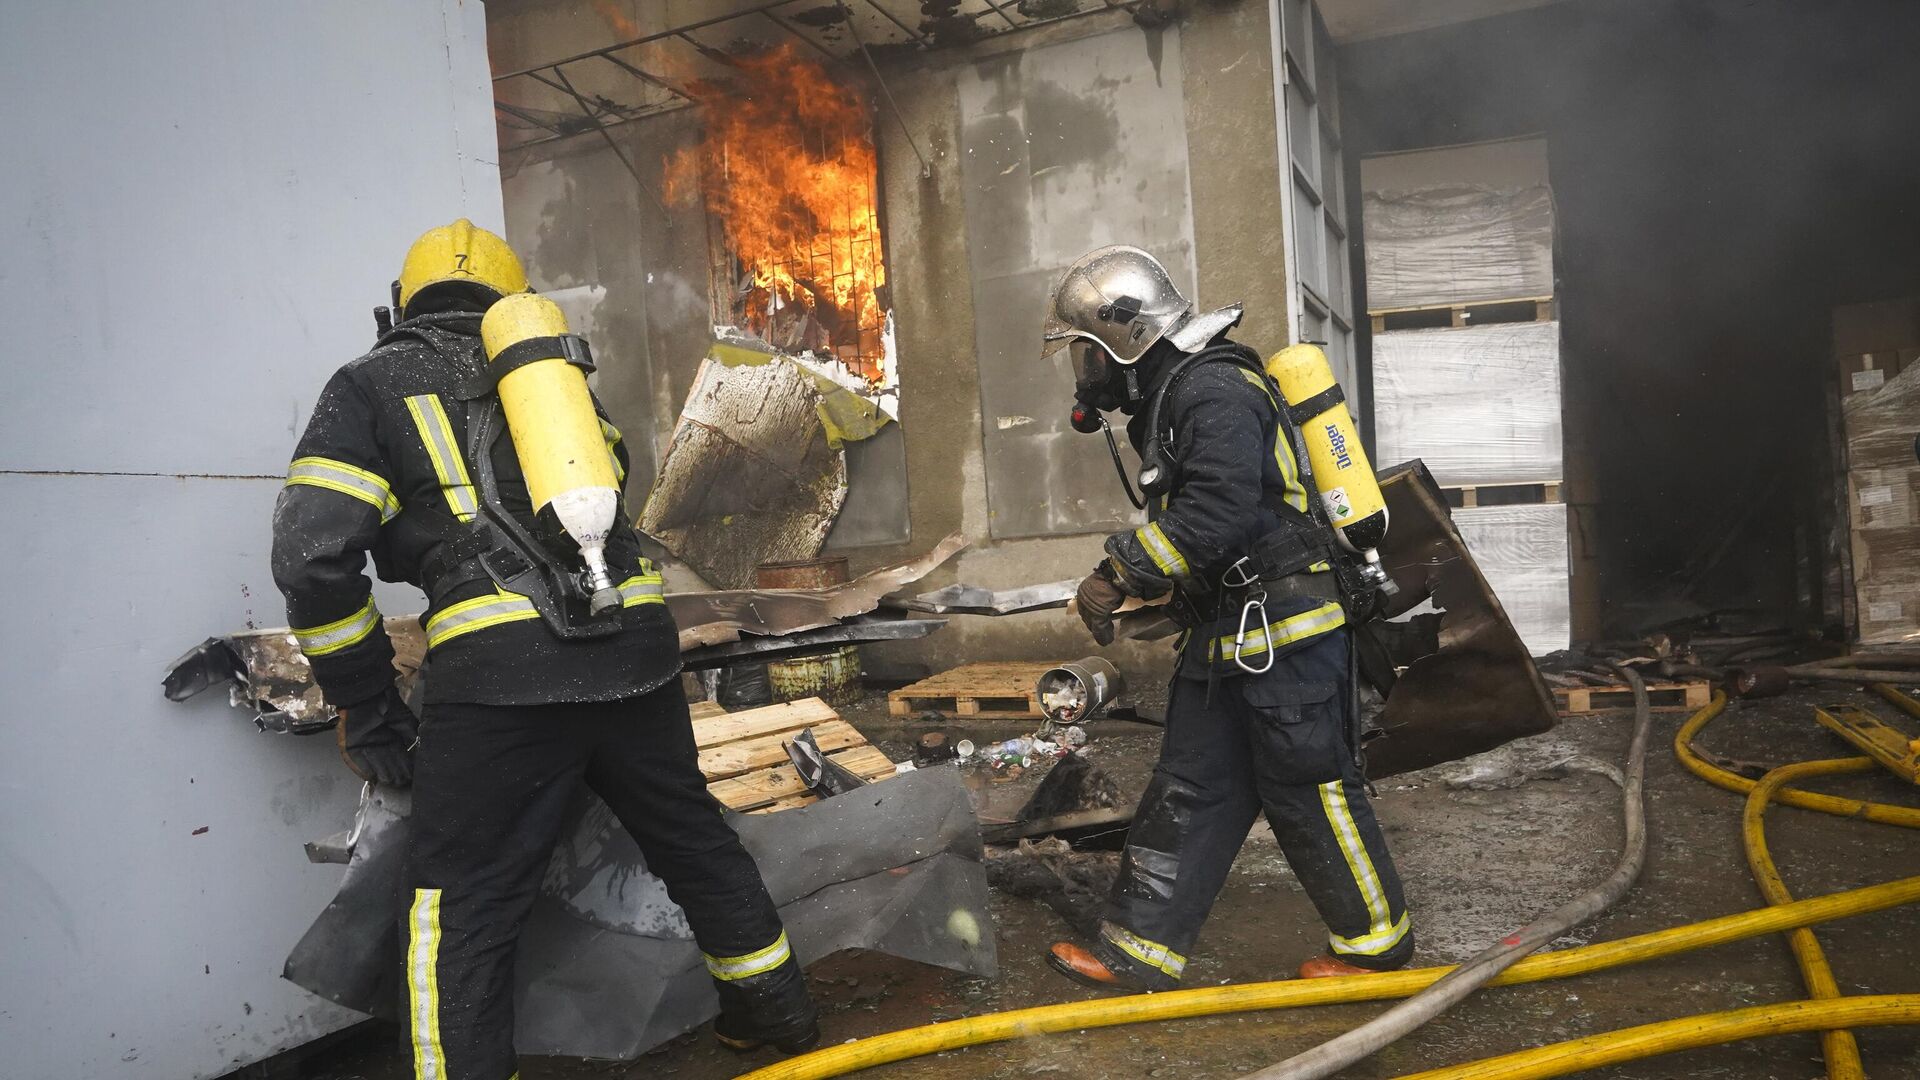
{"points": [[516, 714], [1258, 711]]}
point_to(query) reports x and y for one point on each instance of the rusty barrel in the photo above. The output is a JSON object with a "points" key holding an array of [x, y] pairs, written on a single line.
{"points": [[832, 675]]}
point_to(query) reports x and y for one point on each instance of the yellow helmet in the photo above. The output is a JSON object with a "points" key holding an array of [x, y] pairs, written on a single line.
{"points": [[460, 254]]}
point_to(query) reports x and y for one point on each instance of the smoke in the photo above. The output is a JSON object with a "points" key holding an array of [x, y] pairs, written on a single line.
{"points": [[1724, 173]]}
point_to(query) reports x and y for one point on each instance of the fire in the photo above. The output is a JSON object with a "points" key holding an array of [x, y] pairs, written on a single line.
{"points": [[787, 169]]}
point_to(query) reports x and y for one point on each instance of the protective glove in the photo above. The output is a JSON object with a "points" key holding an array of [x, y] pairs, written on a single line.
{"points": [[377, 737], [1097, 599]]}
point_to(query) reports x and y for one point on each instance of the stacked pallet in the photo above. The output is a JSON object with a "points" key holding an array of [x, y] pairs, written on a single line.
{"points": [[1466, 359], [994, 690], [744, 754], [1877, 479]]}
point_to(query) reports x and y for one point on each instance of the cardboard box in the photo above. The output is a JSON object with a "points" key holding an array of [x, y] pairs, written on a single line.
{"points": [[1880, 426], [1889, 614], [1887, 556], [1863, 373], [1883, 498], [1885, 325]]}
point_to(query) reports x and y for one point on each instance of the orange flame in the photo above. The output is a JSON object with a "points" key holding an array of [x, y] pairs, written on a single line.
{"points": [[787, 167]]}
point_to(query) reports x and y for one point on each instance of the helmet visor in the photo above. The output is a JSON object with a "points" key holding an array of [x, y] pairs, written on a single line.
{"points": [[1056, 335]]}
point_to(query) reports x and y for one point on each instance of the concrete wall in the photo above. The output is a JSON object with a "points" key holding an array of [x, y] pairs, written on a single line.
{"points": [[192, 245], [1212, 76]]}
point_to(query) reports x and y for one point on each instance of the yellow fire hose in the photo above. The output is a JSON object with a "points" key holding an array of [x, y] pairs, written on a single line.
{"points": [[1553, 1060], [1837, 1045], [1829, 1013], [1686, 1033]]}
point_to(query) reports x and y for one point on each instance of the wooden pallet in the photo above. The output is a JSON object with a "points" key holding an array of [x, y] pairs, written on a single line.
{"points": [[994, 690], [744, 754], [1480, 313], [1661, 697], [1502, 495]]}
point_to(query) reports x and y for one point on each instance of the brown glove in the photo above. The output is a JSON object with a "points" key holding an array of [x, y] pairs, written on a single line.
{"points": [[376, 739], [1097, 600]]}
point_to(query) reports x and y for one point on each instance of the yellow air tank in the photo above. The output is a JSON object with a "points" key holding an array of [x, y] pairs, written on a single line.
{"points": [[557, 435], [1348, 489]]}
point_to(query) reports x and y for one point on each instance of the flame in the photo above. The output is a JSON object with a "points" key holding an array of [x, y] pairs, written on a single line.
{"points": [[787, 168]]}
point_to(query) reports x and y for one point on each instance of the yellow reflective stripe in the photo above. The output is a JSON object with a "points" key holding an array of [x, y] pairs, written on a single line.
{"points": [[1259, 382], [1161, 550], [1372, 944], [1314, 621], [479, 613], [1333, 799], [436, 433], [1296, 491], [423, 984], [338, 634], [368, 487], [1151, 953], [731, 968], [642, 589], [612, 435]]}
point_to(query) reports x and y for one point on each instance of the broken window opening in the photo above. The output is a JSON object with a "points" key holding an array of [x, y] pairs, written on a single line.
{"points": [[788, 172]]}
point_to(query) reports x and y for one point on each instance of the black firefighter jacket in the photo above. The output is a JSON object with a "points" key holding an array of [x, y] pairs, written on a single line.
{"points": [[1235, 448], [382, 469]]}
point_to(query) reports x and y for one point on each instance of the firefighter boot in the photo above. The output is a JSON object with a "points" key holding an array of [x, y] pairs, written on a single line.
{"points": [[1093, 967], [1325, 966], [773, 1007]]}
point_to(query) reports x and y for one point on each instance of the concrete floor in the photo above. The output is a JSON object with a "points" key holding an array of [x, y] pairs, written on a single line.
{"points": [[1477, 863]]}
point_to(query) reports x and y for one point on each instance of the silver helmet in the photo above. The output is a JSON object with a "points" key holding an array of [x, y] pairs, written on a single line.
{"points": [[1119, 298]]}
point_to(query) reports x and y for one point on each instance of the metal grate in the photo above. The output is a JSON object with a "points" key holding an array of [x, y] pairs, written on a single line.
{"points": [[855, 337], [648, 72]]}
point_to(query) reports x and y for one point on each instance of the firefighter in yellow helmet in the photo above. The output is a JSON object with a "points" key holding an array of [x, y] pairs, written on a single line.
{"points": [[529, 696]]}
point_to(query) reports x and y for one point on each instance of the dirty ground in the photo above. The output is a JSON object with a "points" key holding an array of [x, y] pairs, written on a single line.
{"points": [[1479, 858]]}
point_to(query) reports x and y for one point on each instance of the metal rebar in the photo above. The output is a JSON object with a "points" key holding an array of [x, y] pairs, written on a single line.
{"points": [[648, 77], [789, 28], [888, 15], [567, 86], [926, 168]]}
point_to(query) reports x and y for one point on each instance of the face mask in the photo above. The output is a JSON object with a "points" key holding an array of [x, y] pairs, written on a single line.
{"points": [[1098, 381]]}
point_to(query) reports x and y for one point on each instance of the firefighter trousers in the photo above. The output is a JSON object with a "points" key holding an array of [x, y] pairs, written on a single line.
{"points": [[492, 788], [1276, 743]]}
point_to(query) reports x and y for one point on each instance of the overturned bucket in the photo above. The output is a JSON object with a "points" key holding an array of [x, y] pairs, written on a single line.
{"points": [[1074, 693]]}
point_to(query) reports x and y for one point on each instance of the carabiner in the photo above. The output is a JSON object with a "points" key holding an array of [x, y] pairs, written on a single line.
{"points": [[1255, 602]]}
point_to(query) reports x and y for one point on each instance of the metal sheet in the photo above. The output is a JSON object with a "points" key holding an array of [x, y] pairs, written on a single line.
{"points": [[151, 868], [859, 630], [748, 476], [977, 600], [1480, 689], [607, 967], [716, 617]]}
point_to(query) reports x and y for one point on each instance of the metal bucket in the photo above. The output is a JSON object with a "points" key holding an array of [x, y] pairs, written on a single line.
{"points": [[832, 675]]}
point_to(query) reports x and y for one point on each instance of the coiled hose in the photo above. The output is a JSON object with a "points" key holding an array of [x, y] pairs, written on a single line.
{"points": [[1553, 1060]]}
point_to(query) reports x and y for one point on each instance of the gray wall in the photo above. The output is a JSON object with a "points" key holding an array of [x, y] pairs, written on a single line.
{"points": [[1212, 79], [203, 202]]}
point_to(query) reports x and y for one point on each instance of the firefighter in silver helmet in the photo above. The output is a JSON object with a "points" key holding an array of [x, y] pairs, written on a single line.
{"points": [[1259, 710]]}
